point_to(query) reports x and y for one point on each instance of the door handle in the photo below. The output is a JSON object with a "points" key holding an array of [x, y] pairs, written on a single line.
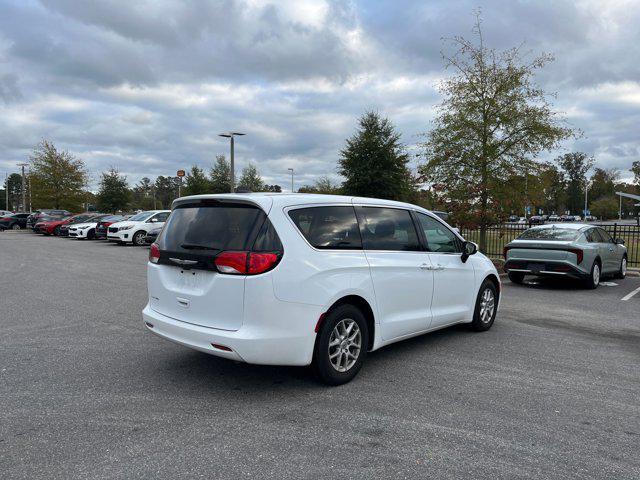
{"points": [[425, 266]]}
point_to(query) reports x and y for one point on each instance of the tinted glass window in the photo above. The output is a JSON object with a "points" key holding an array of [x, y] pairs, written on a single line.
{"points": [[328, 227], [161, 217], [592, 236], [388, 229], [439, 238], [606, 238], [550, 233], [215, 227]]}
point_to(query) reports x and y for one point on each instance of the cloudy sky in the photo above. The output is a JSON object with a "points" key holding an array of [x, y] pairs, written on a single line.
{"points": [[146, 85]]}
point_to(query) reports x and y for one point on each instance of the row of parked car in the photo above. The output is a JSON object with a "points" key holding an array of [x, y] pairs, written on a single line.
{"points": [[139, 229], [542, 219]]}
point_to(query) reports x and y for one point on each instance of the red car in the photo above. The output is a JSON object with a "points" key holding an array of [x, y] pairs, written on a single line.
{"points": [[52, 226]]}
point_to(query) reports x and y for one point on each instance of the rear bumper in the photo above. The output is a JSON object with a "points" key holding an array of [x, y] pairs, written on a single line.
{"points": [[263, 345], [545, 268]]}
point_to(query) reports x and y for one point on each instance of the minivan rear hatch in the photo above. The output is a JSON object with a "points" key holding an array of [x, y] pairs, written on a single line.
{"points": [[188, 281]]}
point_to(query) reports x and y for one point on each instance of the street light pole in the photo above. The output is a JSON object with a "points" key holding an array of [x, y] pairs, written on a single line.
{"points": [[6, 191], [230, 136], [586, 190], [291, 170], [24, 190]]}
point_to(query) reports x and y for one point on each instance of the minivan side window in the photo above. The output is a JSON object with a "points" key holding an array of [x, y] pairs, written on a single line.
{"points": [[388, 229], [439, 238], [330, 227], [160, 217]]}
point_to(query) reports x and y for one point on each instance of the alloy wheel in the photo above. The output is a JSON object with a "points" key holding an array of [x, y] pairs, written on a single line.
{"points": [[596, 274], [623, 267], [487, 305], [345, 345]]}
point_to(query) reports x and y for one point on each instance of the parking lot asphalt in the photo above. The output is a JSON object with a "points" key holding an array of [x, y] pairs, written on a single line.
{"points": [[551, 391]]}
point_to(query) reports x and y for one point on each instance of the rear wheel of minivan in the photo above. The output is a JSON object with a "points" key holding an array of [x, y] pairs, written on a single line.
{"points": [[341, 345]]}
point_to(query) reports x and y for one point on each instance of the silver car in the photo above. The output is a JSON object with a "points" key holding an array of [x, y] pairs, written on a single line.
{"points": [[573, 250]]}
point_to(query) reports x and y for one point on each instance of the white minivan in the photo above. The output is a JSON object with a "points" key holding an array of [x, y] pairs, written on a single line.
{"points": [[303, 279]]}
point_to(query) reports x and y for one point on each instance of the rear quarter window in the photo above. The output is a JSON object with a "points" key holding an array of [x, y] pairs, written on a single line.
{"points": [[331, 227]]}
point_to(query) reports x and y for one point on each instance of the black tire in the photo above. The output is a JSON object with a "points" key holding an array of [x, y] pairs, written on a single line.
{"points": [[138, 238], [485, 313], [592, 282], [91, 234], [622, 271], [56, 231], [322, 363], [516, 277]]}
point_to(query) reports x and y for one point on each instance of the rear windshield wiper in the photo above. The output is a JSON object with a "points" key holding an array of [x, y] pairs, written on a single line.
{"points": [[193, 246]]}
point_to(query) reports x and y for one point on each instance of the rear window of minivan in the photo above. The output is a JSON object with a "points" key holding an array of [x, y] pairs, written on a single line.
{"points": [[218, 226]]}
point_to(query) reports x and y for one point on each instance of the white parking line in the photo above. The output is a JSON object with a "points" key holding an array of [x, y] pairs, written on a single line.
{"points": [[627, 297]]}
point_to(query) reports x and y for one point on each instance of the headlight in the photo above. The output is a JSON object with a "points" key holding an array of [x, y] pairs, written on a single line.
{"points": [[128, 227]]}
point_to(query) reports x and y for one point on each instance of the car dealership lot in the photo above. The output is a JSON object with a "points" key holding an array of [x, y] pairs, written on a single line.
{"points": [[85, 392]]}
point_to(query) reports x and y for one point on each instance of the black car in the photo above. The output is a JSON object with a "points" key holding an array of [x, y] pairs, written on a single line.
{"points": [[152, 234], [15, 221], [536, 220], [37, 216], [103, 224]]}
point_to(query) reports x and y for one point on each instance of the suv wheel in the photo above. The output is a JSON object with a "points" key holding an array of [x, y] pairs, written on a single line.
{"points": [[486, 307], [138, 238], [341, 345], [622, 272], [594, 278], [516, 277]]}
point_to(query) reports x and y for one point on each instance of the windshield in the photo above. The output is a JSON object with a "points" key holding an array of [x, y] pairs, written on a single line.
{"points": [[141, 216], [562, 234]]}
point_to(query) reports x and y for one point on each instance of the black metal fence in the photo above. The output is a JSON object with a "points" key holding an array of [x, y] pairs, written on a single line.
{"points": [[499, 235]]}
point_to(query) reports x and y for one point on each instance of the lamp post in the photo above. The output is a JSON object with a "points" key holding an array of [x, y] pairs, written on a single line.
{"points": [[23, 188], [291, 170], [586, 190], [230, 135]]}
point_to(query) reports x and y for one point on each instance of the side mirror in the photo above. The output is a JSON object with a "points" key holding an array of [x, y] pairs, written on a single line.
{"points": [[619, 241], [468, 249]]}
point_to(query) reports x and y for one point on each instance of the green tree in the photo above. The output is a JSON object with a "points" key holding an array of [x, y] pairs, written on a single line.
{"points": [[554, 189], [166, 191], [251, 179], [575, 166], [220, 176], [196, 182], [604, 208], [114, 194], [635, 169], [143, 195], [322, 185], [374, 162], [57, 178], [493, 122], [603, 183], [14, 183], [273, 188]]}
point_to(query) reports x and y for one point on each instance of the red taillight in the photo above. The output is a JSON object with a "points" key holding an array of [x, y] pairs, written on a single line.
{"points": [[154, 253], [224, 348], [505, 250], [578, 253], [245, 263], [232, 262]]}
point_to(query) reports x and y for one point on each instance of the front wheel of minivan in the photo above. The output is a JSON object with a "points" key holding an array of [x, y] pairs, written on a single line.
{"points": [[341, 345]]}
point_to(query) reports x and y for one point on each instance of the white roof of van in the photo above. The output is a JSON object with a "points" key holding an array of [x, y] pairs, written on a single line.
{"points": [[267, 199]]}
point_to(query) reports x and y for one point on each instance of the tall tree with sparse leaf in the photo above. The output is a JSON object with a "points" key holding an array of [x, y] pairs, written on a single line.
{"points": [[374, 162], [114, 194], [493, 122], [57, 178], [575, 166]]}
